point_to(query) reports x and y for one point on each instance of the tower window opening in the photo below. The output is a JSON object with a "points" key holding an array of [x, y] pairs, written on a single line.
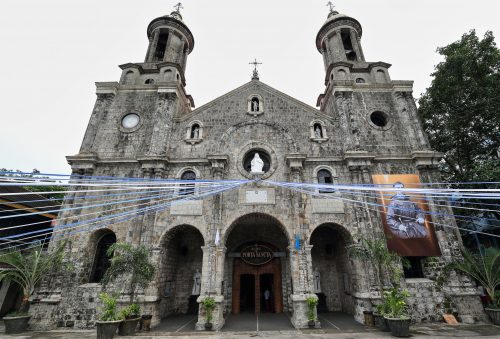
{"points": [[149, 82], [325, 177], [161, 46], [349, 50], [188, 188], [360, 81]]}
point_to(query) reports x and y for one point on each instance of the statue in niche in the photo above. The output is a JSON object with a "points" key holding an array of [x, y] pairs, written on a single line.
{"points": [[196, 283], [317, 281], [318, 133], [196, 132], [257, 164], [255, 105]]}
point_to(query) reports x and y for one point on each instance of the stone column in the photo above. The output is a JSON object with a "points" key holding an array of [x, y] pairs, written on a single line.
{"points": [[338, 47], [152, 46], [355, 45]]}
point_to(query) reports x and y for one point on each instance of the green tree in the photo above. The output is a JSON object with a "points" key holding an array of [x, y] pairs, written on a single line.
{"points": [[48, 188], [131, 262], [460, 111], [28, 268]]}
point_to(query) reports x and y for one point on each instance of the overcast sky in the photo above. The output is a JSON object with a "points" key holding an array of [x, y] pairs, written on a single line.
{"points": [[52, 52]]}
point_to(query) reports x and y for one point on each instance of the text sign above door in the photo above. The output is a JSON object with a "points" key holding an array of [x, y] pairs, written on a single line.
{"points": [[256, 254]]}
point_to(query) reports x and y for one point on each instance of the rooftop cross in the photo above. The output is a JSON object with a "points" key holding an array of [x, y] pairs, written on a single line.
{"points": [[178, 7], [331, 5], [255, 63]]}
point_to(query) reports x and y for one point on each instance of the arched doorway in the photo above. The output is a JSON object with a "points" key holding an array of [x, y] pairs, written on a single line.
{"points": [[181, 258], [332, 269], [257, 265]]}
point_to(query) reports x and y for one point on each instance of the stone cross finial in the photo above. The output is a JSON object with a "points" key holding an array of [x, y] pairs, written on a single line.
{"points": [[331, 5], [255, 63], [178, 7]]}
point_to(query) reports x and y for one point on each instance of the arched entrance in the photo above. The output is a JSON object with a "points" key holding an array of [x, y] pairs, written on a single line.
{"points": [[181, 258], [257, 266], [332, 269]]}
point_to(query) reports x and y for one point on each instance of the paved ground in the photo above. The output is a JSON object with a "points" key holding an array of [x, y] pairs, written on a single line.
{"points": [[335, 326]]}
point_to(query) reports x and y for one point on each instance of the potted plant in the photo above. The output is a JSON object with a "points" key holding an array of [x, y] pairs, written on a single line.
{"points": [[27, 268], [396, 315], [134, 264], [384, 261], [312, 302], [208, 305], [485, 268], [109, 320], [129, 315]]}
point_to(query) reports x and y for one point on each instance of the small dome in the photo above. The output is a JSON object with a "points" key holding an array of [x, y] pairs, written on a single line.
{"points": [[176, 15]]}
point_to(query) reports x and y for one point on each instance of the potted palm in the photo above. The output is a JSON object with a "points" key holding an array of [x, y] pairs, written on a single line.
{"points": [[312, 302], [397, 316], [384, 261], [485, 269], [208, 305], [110, 319], [134, 264], [27, 268]]}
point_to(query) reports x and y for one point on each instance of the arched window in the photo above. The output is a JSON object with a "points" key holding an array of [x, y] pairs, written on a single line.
{"points": [[195, 131], [380, 76], [128, 79], [360, 81], [318, 131], [255, 106], [325, 177], [149, 82], [342, 74], [188, 188], [101, 259]]}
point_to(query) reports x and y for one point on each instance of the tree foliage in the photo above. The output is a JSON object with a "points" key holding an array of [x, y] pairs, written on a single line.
{"points": [[28, 268], [36, 189], [130, 262], [460, 111]]}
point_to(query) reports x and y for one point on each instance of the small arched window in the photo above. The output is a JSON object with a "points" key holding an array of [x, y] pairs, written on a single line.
{"points": [[342, 74], [101, 259], [128, 79], [195, 131], [188, 188], [325, 177], [149, 82], [255, 105], [360, 81], [380, 76]]}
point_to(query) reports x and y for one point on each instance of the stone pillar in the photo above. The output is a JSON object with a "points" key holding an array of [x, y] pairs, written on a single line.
{"points": [[152, 46], [338, 47], [162, 122], [355, 45]]}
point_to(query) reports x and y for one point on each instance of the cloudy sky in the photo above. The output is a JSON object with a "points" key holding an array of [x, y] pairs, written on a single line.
{"points": [[53, 51]]}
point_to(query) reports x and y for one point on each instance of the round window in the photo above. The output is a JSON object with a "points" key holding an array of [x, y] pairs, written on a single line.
{"points": [[379, 119], [130, 120], [251, 156]]}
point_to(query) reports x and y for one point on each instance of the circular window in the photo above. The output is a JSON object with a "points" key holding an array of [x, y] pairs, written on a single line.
{"points": [[266, 159], [130, 120], [379, 119]]}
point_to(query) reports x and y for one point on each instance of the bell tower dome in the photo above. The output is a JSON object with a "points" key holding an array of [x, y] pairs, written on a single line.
{"points": [[170, 41]]}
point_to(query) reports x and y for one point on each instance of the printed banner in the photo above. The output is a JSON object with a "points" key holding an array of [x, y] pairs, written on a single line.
{"points": [[407, 226]]}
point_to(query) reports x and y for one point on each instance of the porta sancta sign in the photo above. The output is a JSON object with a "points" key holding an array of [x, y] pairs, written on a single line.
{"points": [[256, 255]]}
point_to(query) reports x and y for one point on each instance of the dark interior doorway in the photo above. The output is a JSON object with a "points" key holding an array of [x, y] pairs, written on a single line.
{"points": [[267, 299], [247, 293]]}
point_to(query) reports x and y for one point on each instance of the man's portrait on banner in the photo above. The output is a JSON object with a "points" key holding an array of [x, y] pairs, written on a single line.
{"points": [[407, 223]]}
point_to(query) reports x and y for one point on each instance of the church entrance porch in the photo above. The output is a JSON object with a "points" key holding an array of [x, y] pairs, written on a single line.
{"points": [[256, 267]]}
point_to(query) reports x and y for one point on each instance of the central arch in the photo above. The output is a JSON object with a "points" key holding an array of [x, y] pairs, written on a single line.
{"points": [[257, 265]]}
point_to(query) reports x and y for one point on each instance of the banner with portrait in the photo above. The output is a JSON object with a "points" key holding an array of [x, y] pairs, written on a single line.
{"points": [[407, 224]]}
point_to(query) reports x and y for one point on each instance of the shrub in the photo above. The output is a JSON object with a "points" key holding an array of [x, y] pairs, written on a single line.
{"points": [[311, 306], [208, 305]]}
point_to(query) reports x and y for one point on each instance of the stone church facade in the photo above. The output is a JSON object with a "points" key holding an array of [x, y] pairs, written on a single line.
{"points": [[146, 126]]}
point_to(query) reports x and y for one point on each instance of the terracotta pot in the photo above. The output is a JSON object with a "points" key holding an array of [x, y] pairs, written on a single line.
{"points": [[493, 313], [16, 324], [128, 326], [400, 327], [369, 321], [107, 329], [146, 322]]}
